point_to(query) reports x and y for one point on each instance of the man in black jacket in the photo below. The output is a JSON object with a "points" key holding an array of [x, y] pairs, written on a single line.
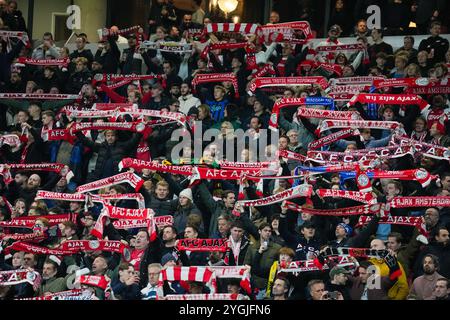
{"points": [[239, 244], [81, 51], [436, 46], [109, 54], [305, 244], [110, 153], [128, 63], [440, 248]]}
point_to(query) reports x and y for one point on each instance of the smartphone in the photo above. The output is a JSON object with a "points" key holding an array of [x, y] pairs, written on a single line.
{"points": [[333, 295]]}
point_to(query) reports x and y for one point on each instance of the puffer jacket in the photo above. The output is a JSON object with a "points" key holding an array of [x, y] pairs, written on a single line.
{"points": [[114, 153]]}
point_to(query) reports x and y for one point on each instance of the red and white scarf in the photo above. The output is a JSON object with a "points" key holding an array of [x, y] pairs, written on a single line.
{"points": [[121, 77], [267, 69], [74, 294], [336, 136], [340, 212], [367, 81], [420, 175], [338, 47], [281, 32], [127, 177], [95, 197], [30, 248], [39, 96], [364, 155], [34, 237], [125, 214], [203, 296], [289, 102], [202, 245], [303, 190], [243, 28], [139, 165], [417, 222], [329, 67], [216, 77], [198, 274], [15, 277], [415, 85], [418, 202], [425, 149], [160, 222], [343, 124], [286, 81], [291, 155], [43, 62], [22, 36], [29, 221], [195, 172], [168, 46], [353, 89], [251, 60], [105, 32], [114, 106], [227, 165], [96, 245], [328, 114], [396, 99], [342, 261], [46, 167], [10, 140], [364, 197], [94, 281]]}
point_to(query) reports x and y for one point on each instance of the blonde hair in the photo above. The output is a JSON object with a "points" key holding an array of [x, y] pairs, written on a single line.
{"points": [[415, 69], [82, 60]]}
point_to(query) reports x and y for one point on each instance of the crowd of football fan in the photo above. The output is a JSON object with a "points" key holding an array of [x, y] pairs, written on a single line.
{"points": [[265, 238]]}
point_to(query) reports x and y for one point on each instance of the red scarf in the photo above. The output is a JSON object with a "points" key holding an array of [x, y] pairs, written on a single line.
{"points": [[39, 96], [127, 177], [365, 155], [364, 197], [396, 99], [216, 77], [287, 81], [202, 245], [343, 124], [282, 32], [340, 212], [44, 62], [95, 245], [418, 202], [303, 190], [336, 136]]}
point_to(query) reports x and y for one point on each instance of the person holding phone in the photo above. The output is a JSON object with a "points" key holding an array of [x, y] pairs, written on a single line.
{"points": [[260, 256]]}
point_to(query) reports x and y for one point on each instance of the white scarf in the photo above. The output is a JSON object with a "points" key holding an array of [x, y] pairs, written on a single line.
{"points": [[236, 248]]}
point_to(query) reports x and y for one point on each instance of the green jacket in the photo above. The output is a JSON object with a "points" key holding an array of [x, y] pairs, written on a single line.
{"points": [[52, 285], [261, 263], [406, 253]]}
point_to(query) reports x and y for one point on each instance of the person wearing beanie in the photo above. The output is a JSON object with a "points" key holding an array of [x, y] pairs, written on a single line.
{"points": [[185, 208], [338, 282]]}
